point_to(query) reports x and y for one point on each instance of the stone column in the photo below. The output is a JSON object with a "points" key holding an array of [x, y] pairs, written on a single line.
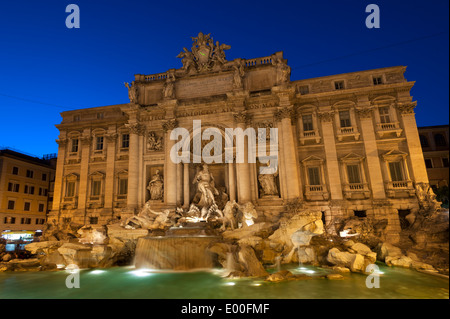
{"points": [[289, 158], [133, 166], [186, 185], [111, 138], [170, 168], [371, 150], [243, 169], [86, 141], [417, 163], [59, 175], [332, 163], [141, 177], [231, 182], [180, 184]]}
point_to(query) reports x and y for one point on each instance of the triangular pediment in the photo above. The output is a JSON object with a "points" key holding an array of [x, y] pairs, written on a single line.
{"points": [[97, 173], [312, 158], [352, 157], [394, 153]]}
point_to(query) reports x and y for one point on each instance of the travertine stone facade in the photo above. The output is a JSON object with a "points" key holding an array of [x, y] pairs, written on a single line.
{"points": [[347, 143]]}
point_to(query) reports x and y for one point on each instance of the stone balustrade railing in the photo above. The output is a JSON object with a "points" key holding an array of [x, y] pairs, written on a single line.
{"points": [[387, 126], [258, 61]]}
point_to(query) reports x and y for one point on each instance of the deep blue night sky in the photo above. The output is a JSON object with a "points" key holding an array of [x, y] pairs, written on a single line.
{"points": [[46, 68]]}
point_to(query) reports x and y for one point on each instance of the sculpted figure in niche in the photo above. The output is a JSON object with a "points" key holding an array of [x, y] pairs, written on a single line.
{"points": [[168, 90], [156, 186], [205, 187], [238, 68], [268, 183], [132, 92]]}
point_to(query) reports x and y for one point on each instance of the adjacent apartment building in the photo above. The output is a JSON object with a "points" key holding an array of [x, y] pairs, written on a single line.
{"points": [[435, 146], [25, 194]]}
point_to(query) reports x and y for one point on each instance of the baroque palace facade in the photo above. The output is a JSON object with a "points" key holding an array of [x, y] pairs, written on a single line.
{"points": [[348, 144]]}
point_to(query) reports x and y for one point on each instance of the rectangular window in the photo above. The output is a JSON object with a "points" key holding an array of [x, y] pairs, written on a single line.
{"points": [[96, 188], [70, 189], [13, 187], [313, 174], [76, 118], [44, 177], [377, 80], [307, 122], [125, 140], [123, 186], [74, 145], [40, 191], [10, 220], [384, 114], [26, 206], [41, 207], [445, 161], [11, 204], [99, 143], [396, 171], [304, 89], [353, 174], [15, 170], [93, 220], [25, 221], [344, 117], [25, 189], [30, 173], [339, 85], [31, 190], [428, 163], [99, 116]]}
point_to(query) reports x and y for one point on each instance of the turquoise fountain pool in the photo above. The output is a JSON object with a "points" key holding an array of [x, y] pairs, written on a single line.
{"points": [[127, 282]]}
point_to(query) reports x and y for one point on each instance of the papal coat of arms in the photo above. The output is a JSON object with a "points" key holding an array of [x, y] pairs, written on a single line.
{"points": [[204, 54]]}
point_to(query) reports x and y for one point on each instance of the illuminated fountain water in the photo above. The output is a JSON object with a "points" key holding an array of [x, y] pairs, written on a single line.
{"points": [[181, 248]]}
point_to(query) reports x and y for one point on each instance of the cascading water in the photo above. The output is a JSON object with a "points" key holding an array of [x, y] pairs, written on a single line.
{"points": [[182, 248]]}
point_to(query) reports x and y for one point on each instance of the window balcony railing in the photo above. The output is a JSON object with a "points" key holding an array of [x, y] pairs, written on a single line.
{"points": [[400, 188], [70, 202], [388, 128], [316, 192], [309, 135], [356, 191], [347, 131], [314, 188]]}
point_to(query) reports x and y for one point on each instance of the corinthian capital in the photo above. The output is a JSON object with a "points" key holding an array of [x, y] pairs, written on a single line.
{"points": [[170, 125], [136, 128], [62, 141], [406, 108], [242, 117], [111, 137], [326, 116], [365, 112], [284, 112]]}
